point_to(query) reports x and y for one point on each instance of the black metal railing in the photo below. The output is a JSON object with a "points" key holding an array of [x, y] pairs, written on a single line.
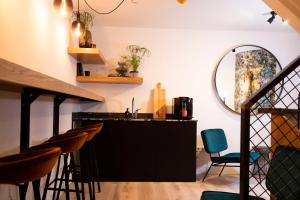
{"points": [[269, 118]]}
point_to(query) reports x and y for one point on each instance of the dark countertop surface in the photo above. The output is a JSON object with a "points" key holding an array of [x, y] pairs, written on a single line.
{"points": [[76, 116]]}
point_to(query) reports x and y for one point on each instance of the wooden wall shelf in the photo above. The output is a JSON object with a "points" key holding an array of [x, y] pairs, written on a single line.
{"points": [[87, 55], [114, 80], [17, 76]]}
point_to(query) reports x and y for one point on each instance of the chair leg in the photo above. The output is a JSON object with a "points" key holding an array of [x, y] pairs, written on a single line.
{"points": [[46, 186], [82, 190], [99, 188], [90, 190], [23, 190], [36, 189], [222, 169], [72, 165], [206, 172], [66, 177]]}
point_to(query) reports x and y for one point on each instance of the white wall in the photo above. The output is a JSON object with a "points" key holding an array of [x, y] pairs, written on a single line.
{"points": [[35, 36], [183, 61]]}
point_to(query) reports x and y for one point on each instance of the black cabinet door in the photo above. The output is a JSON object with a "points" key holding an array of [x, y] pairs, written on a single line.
{"points": [[145, 150], [175, 155], [125, 152]]}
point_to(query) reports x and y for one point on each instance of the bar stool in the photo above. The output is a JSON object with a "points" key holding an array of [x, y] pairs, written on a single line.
{"points": [[92, 131], [68, 144], [28, 167]]}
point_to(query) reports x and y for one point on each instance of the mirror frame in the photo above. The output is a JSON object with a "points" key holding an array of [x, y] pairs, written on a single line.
{"points": [[214, 82]]}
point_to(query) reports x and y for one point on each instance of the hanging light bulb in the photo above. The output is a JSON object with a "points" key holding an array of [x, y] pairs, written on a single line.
{"points": [[78, 27], [181, 1], [64, 7]]}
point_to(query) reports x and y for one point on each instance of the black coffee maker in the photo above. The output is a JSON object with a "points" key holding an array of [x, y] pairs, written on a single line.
{"points": [[183, 108]]}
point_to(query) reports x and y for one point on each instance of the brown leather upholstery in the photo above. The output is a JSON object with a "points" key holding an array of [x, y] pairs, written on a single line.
{"points": [[67, 142], [92, 130], [28, 166]]}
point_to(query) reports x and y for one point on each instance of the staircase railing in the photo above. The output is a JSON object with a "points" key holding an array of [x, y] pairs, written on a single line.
{"points": [[268, 120]]}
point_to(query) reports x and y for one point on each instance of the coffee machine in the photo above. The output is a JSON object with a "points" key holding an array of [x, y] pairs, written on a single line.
{"points": [[183, 108]]}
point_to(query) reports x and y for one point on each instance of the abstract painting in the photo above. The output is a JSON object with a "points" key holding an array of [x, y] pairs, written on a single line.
{"points": [[253, 69]]}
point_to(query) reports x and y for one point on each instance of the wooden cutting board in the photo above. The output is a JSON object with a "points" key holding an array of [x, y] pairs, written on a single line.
{"points": [[159, 102]]}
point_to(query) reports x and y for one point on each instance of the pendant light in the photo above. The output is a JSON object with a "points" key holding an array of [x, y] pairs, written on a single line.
{"points": [[181, 1], [64, 7], [78, 27]]}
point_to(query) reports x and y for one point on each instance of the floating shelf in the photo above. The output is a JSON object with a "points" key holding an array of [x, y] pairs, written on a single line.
{"points": [[87, 55], [18, 77], [114, 80]]}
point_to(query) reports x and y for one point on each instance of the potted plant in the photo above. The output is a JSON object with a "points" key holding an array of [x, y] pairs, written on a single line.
{"points": [[136, 55], [87, 18]]}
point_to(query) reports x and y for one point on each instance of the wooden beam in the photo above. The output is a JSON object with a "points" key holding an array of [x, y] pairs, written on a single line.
{"points": [[287, 9]]}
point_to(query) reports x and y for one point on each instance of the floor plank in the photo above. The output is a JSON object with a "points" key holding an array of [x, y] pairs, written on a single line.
{"points": [[164, 190]]}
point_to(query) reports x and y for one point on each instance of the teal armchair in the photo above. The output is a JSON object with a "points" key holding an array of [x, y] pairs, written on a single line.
{"points": [[214, 141]]}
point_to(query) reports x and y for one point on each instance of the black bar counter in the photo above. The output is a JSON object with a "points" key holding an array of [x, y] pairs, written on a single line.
{"points": [[142, 149]]}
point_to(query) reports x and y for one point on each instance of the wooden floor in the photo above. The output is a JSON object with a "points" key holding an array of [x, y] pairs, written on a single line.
{"points": [[165, 190]]}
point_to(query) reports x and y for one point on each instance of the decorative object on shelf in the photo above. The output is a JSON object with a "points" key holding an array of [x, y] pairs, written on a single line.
{"points": [[78, 27], [87, 73], [127, 114], [137, 53], [79, 69], [85, 39], [64, 7], [122, 69]]}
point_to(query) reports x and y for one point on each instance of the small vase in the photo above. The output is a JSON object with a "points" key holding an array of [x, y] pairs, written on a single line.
{"points": [[134, 73], [85, 41]]}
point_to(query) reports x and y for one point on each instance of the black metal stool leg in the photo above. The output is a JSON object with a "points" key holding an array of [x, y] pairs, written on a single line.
{"points": [[82, 190], [23, 190], [90, 190], [36, 189], [66, 177], [60, 184], [46, 186], [72, 165], [55, 181]]}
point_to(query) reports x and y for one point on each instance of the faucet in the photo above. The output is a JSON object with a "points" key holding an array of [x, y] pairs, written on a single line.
{"points": [[134, 112]]}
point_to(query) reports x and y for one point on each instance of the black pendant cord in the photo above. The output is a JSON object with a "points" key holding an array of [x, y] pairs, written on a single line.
{"points": [[104, 13]]}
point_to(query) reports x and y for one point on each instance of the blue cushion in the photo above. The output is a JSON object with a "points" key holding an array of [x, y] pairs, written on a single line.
{"points": [[214, 140], [234, 158], [228, 158], [214, 195], [254, 156]]}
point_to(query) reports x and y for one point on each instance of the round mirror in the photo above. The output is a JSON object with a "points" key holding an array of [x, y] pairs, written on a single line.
{"points": [[241, 72]]}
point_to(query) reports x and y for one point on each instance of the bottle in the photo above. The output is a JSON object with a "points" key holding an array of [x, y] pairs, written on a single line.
{"points": [[183, 109], [127, 114]]}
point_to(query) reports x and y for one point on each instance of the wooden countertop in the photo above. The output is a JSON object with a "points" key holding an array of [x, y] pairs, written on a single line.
{"points": [[18, 76]]}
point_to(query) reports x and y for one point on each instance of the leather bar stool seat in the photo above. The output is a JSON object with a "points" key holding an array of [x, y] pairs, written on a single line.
{"points": [[68, 143], [92, 130], [27, 167]]}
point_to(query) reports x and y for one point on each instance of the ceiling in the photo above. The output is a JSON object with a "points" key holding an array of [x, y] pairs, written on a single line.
{"points": [[245, 15]]}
